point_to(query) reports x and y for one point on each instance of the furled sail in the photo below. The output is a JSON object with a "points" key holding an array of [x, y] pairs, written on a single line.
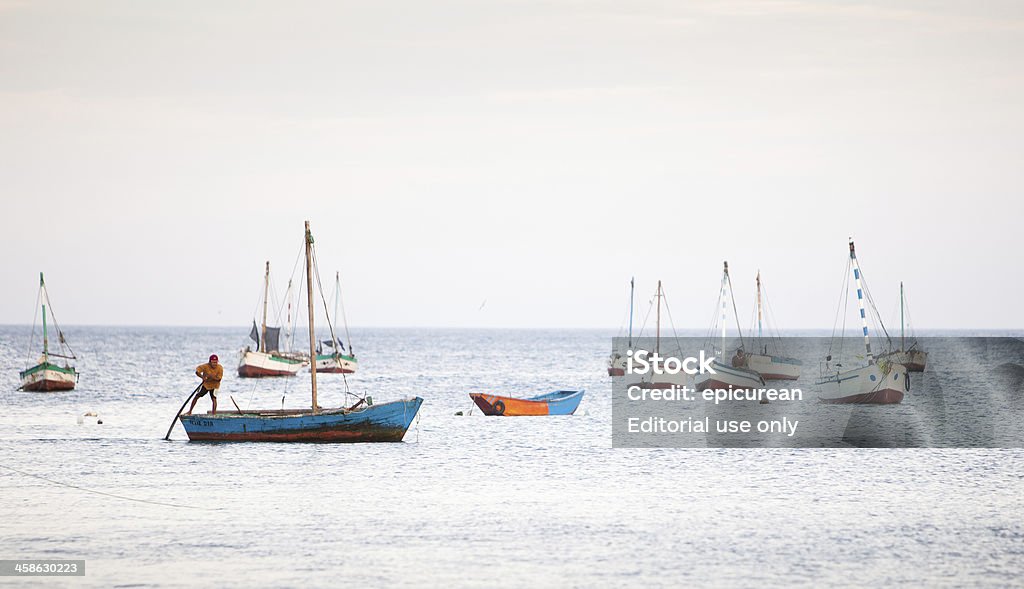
{"points": [[272, 336]]}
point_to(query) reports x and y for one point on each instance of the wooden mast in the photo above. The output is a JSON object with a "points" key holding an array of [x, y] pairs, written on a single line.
{"points": [[46, 343], [266, 292], [309, 300]]}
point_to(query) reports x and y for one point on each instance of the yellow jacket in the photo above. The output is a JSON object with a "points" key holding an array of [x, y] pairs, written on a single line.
{"points": [[210, 374]]}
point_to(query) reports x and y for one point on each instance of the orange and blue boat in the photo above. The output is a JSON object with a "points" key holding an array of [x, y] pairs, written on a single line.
{"points": [[553, 403]]}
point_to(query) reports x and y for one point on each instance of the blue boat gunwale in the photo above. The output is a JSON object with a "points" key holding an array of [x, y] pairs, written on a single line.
{"points": [[555, 396], [289, 413]]}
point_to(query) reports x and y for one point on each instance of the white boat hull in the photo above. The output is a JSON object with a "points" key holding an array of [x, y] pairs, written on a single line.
{"points": [[262, 364], [336, 364], [46, 380], [914, 360], [729, 377], [882, 383], [773, 367], [616, 365], [659, 381]]}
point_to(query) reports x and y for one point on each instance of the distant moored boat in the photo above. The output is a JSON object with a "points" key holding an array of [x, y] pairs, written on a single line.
{"points": [[338, 360], [651, 380], [880, 382], [772, 365], [617, 362], [553, 403], [47, 374], [732, 375], [914, 358], [267, 359]]}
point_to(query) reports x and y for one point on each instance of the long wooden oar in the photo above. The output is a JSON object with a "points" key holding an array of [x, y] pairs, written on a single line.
{"points": [[168, 436]]}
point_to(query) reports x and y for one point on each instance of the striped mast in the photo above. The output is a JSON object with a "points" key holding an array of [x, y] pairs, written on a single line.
{"points": [[860, 302]]}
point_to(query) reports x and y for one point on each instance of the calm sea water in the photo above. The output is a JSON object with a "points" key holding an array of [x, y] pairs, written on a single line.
{"points": [[465, 500]]}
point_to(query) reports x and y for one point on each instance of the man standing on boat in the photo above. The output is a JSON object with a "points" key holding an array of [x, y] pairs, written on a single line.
{"points": [[211, 373]]}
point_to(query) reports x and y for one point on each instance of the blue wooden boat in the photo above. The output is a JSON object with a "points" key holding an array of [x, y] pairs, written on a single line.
{"points": [[362, 422], [386, 422], [553, 403]]}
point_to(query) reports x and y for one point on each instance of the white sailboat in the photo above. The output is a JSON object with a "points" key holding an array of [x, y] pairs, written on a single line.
{"points": [[267, 359], [337, 360], [617, 362], [879, 382], [732, 374], [914, 358], [53, 371], [659, 381], [773, 364]]}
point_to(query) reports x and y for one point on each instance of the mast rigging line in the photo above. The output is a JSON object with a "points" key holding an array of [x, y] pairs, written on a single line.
{"points": [[32, 335], [672, 322], [323, 299], [344, 318], [60, 332], [735, 312], [650, 307], [622, 323], [874, 308], [770, 318], [710, 334], [843, 296], [298, 297]]}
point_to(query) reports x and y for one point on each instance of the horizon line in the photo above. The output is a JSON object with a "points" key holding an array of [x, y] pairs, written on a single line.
{"points": [[517, 327]]}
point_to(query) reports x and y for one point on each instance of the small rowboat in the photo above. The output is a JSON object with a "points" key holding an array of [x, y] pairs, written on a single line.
{"points": [[554, 403]]}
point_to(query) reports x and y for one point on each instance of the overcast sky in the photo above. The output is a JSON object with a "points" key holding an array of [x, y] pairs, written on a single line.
{"points": [[523, 157]]}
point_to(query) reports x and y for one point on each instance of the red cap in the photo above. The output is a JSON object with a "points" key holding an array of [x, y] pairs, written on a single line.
{"points": [[214, 357]]}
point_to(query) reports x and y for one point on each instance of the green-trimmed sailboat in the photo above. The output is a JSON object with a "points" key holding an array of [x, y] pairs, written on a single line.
{"points": [[268, 359], [53, 371], [332, 355]]}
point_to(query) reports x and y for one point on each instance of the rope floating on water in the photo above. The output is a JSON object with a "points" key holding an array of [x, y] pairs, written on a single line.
{"points": [[113, 495]]}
